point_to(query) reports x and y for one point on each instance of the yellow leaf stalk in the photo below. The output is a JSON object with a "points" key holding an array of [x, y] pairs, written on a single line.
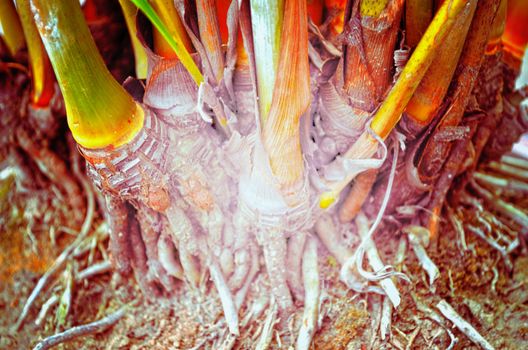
{"points": [[266, 20], [431, 92], [291, 98], [140, 57], [393, 106], [168, 14], [169, 25], [41, 71], [100, 113], [10, 28], [210, 36], [418, 15]]}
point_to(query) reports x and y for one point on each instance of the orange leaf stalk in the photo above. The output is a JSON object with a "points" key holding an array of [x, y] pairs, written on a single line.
{"points": [[336, 10], [418, 15], [431, 92], [394, 104], [315, 10], [222, 7], [210, 36], [11, 30], [100, 112], [497, 29], [368, 66], [291, 98], [435, 153], [515, 36], [41, 71], [368, 58]]}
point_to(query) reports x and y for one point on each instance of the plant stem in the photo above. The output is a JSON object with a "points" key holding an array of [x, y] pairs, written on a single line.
{"points": [[11, 29], [435, 153], [140, 57], [100, 112], [174, 37], [368, 57], [210, 36], [41, 70], [281, 132], [392, 107], [266, 20], [418, 15], [433, 87]]}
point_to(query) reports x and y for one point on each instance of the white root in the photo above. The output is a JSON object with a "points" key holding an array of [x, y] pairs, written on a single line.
{"points": [[52, 301], [93, 270], [310, 271], [386, 318], [459, 229], [61, 259], [228, 304], [293, 264], [466, 328], [79, 331], [257, 308], [375, 261], [167, 255], [494, 244], [418, 235], [329, 236], [267, 330]]}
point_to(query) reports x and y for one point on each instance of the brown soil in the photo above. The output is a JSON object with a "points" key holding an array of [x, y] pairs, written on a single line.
{"points": [[348, 321]]}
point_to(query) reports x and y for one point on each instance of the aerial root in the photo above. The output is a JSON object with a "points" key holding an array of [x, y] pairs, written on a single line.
{"points": [[329, 236], [466, 328], [418, 237], [252, 273], [226, 298], [120, 249], [191, 266], [150, 224], [310, 272], [357, 195], [139, 261], [168, 256], [294, 261], [274, 247], [240, 273], [79, 331]]}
